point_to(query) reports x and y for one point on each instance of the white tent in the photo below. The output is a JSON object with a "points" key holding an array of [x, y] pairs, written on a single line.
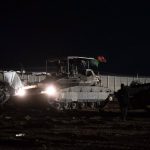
{"points": [[13, 79]]}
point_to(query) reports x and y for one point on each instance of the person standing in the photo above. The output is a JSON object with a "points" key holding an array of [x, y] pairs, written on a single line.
{"points": [[123, 100]]}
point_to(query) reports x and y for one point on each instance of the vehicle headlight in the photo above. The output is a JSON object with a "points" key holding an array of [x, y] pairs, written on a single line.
{"points": [[110, 98], [50, 91], [20, 92]]}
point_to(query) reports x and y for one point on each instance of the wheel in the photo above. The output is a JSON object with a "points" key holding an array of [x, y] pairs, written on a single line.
{"points": [[92, 105], [66, 105], [57, 106], [74, 105], [82, 105]]}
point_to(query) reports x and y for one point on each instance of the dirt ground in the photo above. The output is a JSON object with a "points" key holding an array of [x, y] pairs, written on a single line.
{"points": [[42, 129]]}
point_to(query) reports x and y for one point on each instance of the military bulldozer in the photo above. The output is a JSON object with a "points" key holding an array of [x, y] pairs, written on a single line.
{"points": [[74, 84]]}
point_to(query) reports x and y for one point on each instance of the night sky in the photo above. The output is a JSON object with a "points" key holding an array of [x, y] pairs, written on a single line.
{"points": [[30, 32]]}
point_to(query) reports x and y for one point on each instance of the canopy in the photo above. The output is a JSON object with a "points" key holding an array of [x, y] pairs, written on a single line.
{"points": [[12, 78]]}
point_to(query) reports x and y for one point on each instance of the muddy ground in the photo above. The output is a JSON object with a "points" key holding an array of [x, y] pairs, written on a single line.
{"points": [[43, 128]]}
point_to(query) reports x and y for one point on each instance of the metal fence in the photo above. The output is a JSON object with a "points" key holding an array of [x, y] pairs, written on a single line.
{"points": [[113, 82], [32, 78]]}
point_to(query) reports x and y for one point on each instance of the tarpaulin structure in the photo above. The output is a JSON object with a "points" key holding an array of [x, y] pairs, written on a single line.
{"points": [[12, 78]]}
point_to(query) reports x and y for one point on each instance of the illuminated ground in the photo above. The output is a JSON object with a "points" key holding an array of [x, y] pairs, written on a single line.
{"points": [[42, 129]]}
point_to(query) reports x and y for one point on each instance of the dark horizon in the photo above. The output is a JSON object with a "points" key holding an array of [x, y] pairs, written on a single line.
{"points": [[32, 31]]}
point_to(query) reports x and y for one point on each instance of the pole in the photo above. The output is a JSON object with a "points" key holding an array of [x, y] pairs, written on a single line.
{"points": [[46, 67], [68, 66], [88, 64]]}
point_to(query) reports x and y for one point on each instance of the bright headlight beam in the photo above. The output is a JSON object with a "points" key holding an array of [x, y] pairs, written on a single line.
{"points": [[110, 98], [21, 92], [51, 91]]}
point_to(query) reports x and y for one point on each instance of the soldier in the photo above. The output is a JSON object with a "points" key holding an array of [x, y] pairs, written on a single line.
{"points": [[123, 99]]}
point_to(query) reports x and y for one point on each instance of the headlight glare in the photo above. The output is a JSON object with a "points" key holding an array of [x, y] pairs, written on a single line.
{"points": [[50, 91], [21, 92], [110, 98]]}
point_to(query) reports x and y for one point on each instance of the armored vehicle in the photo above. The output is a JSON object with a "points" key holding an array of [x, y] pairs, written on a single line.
{"points": [[74, 84], [139, 95]]}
